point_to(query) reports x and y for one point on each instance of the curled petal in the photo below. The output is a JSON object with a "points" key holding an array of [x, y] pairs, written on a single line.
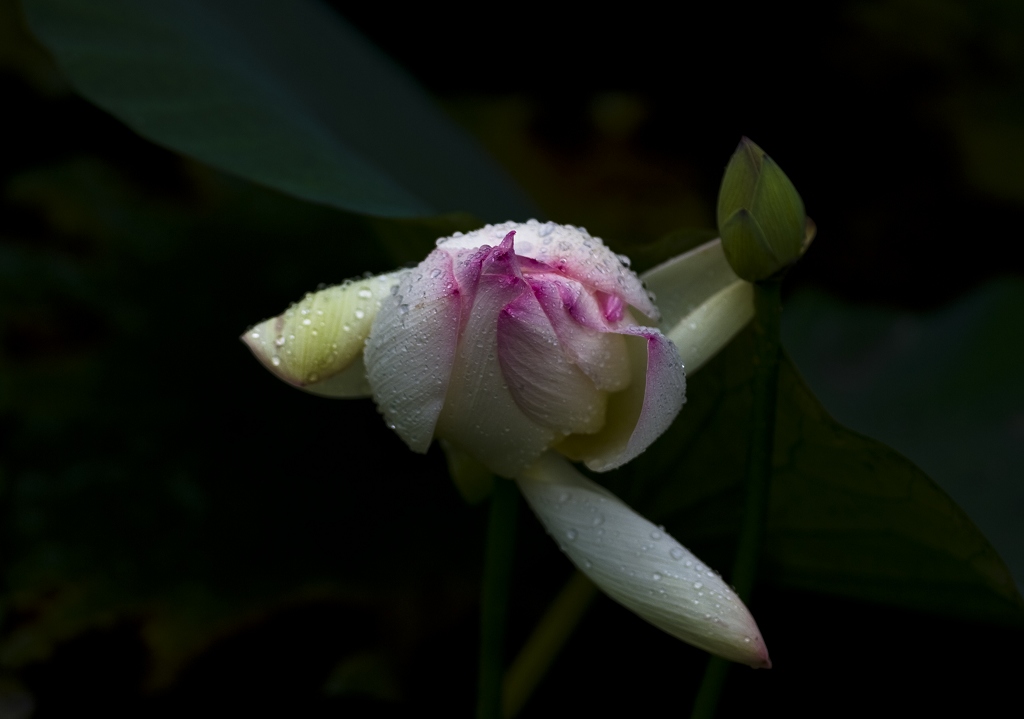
{"points": [[568, 250], [584, 332], [541, 378], [317, 343], [638, 565], [411, 348], [639, 414]]}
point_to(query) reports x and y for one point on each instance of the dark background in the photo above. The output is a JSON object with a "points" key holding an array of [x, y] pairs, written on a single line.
{"points": [[138, 473]]}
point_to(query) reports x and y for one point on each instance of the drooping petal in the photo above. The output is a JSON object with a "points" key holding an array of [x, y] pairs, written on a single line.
{"points": [[322, 336], [479, 413], [411, 348], [638, 565], [639, 414], [543, 381], [568, 250], [583, 331]]}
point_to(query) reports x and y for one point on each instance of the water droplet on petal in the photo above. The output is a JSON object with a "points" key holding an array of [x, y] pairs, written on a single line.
{"points": [[697, 585], [255, 335], [365, 294], [571, 534], [276, 361], [360, 314], [676, 553], [656, 576], [656, 535]]}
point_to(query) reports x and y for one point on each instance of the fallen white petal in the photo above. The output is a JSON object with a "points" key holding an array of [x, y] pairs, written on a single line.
{"points": [[638, 565]]}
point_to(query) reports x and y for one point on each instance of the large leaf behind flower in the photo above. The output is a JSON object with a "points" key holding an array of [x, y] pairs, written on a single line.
{"points": [[283, 93], [944, 388], [848, 515]]}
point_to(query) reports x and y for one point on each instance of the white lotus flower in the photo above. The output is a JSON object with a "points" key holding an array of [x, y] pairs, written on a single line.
{"points": [[526, 344]]}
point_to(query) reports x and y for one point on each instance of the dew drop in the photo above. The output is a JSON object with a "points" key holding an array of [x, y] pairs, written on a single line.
{"points": [[365, 294], [687, 563], [656, 576], [255, 335], [571, 534], [656, 535], [279, 341], [360, 314], [307, 321], [676, 553], [697, 585], [598, 520], [276, 361], [403, 309]]}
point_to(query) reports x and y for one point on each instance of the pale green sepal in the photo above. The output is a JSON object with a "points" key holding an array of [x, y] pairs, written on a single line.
{"points": [[760, 215], [704, 332], [703, 303], [473, 480], [350, 383], [322, 335], [685, 282]]}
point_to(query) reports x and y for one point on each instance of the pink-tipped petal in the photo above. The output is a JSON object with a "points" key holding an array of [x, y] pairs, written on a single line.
{"points": [[479, 413], [638, 415], [411, 349], [568, 250], [583, 332], [640, 566], [542, 380]]}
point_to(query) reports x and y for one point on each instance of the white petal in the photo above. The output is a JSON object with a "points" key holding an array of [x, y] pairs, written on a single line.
{"points": [[541, 378], [323, 334], [411, 347], [638, 565], [479, 413], [700, 335], [639, 414]]}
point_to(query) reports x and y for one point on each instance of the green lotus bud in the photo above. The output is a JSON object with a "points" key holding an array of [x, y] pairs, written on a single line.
{"points": [[760, 215]]}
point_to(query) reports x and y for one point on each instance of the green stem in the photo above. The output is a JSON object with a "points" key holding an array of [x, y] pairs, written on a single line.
{"points": [[546, 641], [501, 531], [767, 316]]}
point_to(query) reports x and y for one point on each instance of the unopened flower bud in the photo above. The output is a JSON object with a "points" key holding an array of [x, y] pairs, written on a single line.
{"points": [[760, 215]]}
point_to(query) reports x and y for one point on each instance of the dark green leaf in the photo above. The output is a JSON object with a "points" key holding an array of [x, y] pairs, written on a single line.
{"points": [[945, 389], [283, 93]]}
